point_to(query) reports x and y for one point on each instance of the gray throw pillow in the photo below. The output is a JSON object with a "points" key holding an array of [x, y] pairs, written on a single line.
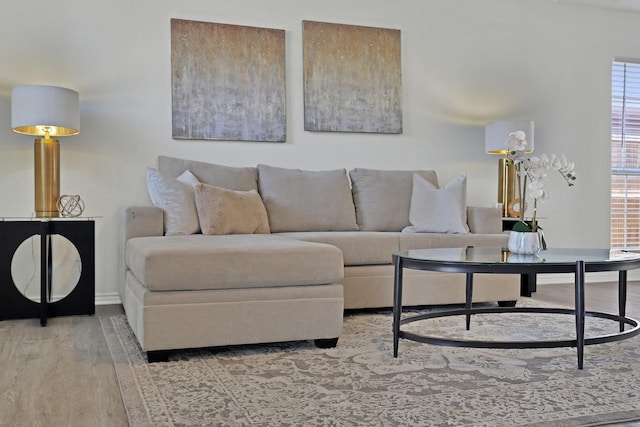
{"points": [[299, 200]]}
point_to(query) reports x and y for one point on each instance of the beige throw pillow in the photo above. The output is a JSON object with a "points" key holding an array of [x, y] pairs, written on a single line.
{"points": [[438, 210], [223, 211]]}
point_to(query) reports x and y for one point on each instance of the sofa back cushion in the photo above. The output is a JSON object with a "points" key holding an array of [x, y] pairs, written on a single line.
{"points": [[298, 200], [232, 178], [383, 197], [484, 220]]}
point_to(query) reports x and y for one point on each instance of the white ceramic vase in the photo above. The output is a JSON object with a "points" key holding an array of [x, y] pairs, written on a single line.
{"points": [[524, 242]]}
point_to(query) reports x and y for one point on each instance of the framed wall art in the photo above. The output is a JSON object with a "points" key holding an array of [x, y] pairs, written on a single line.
{"points": [[352, 78], [228, 82]]}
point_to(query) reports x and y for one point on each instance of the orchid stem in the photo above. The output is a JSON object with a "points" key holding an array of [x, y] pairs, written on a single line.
{"points": [[534, 225], [522, 197]]}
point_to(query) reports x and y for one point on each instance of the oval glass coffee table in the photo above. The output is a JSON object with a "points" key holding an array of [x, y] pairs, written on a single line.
{"points": [[473, 260]]}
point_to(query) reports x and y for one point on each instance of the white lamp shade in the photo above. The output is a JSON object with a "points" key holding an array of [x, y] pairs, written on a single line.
{"points": [[36, 109], [496, 135]]}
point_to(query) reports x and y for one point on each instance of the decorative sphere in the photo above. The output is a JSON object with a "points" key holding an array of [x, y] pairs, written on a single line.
{"points": [[70, 206]]}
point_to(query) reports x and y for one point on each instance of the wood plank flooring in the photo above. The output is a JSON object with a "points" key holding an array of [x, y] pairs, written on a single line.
{"points": [[58, 375], [62, 374]]}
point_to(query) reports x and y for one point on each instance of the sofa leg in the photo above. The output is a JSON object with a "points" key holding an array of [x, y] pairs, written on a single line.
{"points": [[326, 343], [507, 303], [158, 356]]}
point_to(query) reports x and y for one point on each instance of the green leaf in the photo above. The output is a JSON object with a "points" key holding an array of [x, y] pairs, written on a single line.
{"points": [[521, 226], [542, 241]]}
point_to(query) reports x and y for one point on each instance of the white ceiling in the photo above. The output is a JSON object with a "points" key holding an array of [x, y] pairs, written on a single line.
{"points": [[630, 5]]}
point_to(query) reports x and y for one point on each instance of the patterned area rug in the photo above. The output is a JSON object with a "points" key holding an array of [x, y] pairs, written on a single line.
{"points": [[360, 383]]}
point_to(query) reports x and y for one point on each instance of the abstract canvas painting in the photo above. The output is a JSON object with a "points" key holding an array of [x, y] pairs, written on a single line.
{"points": [[228, 82], [352, 78]]}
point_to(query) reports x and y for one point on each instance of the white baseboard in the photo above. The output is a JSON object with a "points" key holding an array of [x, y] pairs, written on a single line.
{"points": [[108, 299], [600, 276]]}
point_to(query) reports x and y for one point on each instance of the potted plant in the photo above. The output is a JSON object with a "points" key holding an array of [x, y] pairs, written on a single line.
{"points": [[531, 176]]}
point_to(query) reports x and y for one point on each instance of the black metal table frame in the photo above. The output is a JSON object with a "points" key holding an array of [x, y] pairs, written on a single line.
{"points": [[81, 300], [470, 268]]}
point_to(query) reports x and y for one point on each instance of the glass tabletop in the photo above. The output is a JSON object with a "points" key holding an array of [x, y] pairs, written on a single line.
{"points": [[50, 218], [495, 255]]}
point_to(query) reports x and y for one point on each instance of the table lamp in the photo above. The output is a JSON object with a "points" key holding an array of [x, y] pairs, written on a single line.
{"points": [[46, 111], [496, 135]]}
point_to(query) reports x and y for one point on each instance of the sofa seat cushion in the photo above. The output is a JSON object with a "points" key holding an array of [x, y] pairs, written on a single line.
{"points": [[373, 248], [221, 296], [200, 262], [409, 241], [358, 247]]}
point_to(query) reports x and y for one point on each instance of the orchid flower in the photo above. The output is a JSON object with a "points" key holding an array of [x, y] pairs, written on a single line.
{"points": [[532, 173]]}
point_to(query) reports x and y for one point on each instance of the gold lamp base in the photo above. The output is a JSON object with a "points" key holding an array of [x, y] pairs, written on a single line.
{"points": [[507, 189], [47, 177]]}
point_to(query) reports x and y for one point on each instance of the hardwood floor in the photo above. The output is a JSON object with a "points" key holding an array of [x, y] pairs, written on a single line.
{"points": [[62, 374], [598, 296], [58, 375]]}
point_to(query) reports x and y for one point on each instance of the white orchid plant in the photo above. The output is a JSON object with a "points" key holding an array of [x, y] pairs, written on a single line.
{"points": [[531, 175]]}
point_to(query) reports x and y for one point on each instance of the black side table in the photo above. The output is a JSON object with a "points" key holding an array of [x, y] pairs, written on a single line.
{"points": [[508, 222], [81, 300]]}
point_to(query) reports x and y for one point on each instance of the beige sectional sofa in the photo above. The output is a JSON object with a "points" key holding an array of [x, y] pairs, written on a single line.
{"points": [[263, 254]]}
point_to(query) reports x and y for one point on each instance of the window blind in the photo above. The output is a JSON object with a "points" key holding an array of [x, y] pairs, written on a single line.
{"points": [[625, 155]]}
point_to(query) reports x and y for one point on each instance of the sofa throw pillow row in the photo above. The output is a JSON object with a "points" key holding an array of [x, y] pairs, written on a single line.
{"points": [[299, 200], [438, 210], [175, 196], [382, 197], [223, 211]]}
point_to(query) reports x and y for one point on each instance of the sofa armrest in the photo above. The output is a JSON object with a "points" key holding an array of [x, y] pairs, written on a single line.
{"points": [[484, 220], [142, 221]]}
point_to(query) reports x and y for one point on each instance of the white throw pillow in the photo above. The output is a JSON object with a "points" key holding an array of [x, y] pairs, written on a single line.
{"points": [[188, 178], [176, 197], [438, 210]]}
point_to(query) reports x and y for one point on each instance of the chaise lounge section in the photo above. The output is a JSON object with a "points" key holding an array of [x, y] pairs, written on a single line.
{"points": [[190, 291]]}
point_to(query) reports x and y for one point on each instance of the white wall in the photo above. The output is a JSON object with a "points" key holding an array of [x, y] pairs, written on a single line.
{"points": [[464, 63]]}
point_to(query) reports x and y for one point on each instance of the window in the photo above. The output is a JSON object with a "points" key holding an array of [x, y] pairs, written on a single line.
{"points": [[625, 155]]}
